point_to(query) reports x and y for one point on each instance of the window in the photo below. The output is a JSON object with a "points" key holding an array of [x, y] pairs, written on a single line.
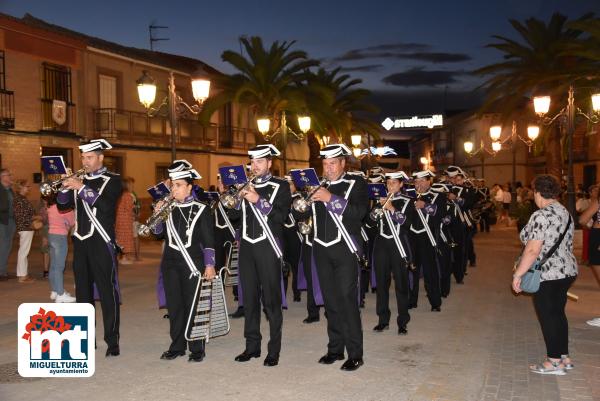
{"points": [[161, 172], [56, 89], [114, 164], [2, 71], [225, 128], [107, 91]]}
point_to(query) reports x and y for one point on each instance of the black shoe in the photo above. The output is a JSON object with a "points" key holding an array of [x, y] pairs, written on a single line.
{"points": [[412, 306], [169, 355], [45, 274], [402, 331], [196, 357], [297, 298], [311, 319], [460, 282], [445, 295], [362, 304], [166, 316], [271, 361], [113, 351], [436, 309], [381, 326], [352, 364], [328, 358], [373, 290], [245, 356], [238, 313], [235, 298]]}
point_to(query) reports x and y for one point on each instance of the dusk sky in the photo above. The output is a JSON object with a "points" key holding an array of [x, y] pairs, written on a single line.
{"points": [[407, 52]]}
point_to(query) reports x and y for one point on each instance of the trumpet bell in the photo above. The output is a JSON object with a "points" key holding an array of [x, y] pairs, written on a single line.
{"points": [[46, 189], [305, 227]]}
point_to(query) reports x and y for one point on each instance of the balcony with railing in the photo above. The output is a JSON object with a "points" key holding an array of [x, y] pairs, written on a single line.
{"points": [[137, 128], [59, 117], [7, 109]]}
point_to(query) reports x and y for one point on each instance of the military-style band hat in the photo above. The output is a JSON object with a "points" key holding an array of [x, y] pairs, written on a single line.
{"points": [[95, 145], [185, 174], [423, 174], [262, 151], [179, 165], [335, 150], [397, 175]]}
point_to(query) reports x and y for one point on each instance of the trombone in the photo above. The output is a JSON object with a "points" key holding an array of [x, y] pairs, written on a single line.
{"points": [[51, 187], [234, 193], [377, 212], [302, 204]]}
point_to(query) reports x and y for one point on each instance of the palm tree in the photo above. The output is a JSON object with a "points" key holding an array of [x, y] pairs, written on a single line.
{"points": [[537, 63], [340, 108], [267, 80]]}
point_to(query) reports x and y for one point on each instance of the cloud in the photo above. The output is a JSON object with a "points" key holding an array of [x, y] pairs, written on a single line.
{"points": [[420, 77], [402, 51], [363, 68]]}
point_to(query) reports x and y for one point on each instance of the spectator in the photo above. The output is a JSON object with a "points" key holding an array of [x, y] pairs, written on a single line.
{"points": [[525, 209], [7, 221], [506, 199], [583, 203], [541, 233], [44, 248], [59, 225], [24, 218], [124, 224], [590, 218]]}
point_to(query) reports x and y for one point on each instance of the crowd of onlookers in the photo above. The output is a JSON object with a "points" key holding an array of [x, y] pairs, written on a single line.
{"points": [[24, 220]]}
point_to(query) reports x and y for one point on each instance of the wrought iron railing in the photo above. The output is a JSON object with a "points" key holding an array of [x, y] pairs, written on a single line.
{"points": [[137, 126], [7, 109]]}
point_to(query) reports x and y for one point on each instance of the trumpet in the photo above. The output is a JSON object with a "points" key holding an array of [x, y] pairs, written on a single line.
{"points": [[302, 204], [51, 187], [377, 212], [234, 194], [305, 226], [158, 216]]}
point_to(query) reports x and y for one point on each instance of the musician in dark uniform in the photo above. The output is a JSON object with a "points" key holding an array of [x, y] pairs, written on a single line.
{"points": [[265, 202], [392, 253], [430, 207], [189, 226], [463, 199], [337, 212], [94, 249], [292, 240], [447, 243]]}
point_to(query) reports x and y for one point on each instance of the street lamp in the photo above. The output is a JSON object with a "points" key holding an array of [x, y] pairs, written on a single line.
{"points": [[356, 140], [173, 106], [264, 125], [541, 105]]}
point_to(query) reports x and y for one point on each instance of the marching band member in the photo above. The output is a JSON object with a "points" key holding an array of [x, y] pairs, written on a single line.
{"points": [[337, 212], [463, 199], [447, 244], [430, 208], [263, 209], [292, 240], [391, 253], [94, 249], [188, 253]]}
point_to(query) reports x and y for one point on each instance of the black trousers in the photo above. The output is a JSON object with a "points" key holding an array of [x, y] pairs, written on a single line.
{"points": [[458, 231], [549, 302], [259, 269], [427, 260], [471, 257], [337, 269], [179, 292], [93, 262], [446, 264], [484, 222], [291, 254], [388, 263], [311, 305]]}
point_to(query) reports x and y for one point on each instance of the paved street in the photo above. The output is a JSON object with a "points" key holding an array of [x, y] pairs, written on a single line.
{"points": [[477, 348]]}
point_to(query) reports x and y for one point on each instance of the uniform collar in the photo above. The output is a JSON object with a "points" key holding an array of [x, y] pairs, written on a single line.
{"points": [[263, 178], [98, 172], [187, 199]]}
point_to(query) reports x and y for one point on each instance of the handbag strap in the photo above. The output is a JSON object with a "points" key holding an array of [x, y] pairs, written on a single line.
{"points": [[555, 246]]}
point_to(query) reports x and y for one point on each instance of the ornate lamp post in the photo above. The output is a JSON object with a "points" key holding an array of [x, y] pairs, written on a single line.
{"points": [[541, 106], [264, 125], [173, 106]]}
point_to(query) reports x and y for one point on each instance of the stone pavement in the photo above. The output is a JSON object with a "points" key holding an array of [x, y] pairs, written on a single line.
{"points": [[477, 348]]}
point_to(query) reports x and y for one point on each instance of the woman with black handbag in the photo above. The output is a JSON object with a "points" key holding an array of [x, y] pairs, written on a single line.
{"points": [[548, 240]]}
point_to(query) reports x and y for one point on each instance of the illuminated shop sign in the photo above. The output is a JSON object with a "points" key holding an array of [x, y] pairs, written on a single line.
{"points": [[436, 120]]}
